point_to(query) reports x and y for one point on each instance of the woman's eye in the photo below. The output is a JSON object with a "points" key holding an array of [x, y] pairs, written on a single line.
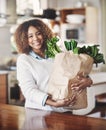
{"points": [[38, 33], [30, 36]]}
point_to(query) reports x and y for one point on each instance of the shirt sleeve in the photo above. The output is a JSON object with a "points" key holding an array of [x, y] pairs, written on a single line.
{"points": [[44, 100], [28, 84]]}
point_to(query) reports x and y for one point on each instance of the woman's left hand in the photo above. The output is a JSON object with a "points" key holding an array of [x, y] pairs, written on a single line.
{"points": [[81, 83]]}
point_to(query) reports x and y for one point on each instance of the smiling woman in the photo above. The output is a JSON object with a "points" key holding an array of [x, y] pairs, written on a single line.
{"points": [[34, 67], [35, 39]]}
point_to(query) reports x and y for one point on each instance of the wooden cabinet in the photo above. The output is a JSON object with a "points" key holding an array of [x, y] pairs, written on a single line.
{"points": [[3, 88], [91, 21]]}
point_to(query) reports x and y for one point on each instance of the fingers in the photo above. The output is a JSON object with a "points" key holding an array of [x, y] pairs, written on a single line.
{"points": [[80, 75], [81, 84]]}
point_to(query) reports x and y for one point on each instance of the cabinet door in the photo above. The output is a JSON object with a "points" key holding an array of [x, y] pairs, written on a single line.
{"points": [[3, 88]]}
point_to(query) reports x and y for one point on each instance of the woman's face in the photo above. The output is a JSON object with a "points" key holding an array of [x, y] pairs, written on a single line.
{"points": [[35, 38]]}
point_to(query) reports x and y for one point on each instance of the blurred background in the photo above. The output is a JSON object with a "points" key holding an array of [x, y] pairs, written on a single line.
{"points": [[55, 12], [83, 20]]}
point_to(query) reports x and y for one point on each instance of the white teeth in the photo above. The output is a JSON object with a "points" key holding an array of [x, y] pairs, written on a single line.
{"points": [[37, 44]]}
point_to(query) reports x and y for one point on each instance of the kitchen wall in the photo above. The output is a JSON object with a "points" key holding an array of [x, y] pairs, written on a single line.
{"points": [[103, 30], [71, 3], [5, 45]]}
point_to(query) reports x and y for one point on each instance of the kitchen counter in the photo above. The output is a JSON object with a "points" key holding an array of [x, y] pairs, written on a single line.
{"points": [[19, 118], [3, 72]]}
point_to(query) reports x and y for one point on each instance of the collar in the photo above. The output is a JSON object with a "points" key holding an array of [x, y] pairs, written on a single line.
{"points": [[36, 56]]}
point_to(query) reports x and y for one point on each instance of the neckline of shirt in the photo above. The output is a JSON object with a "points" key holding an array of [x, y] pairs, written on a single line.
{"points": [[36, 56]]}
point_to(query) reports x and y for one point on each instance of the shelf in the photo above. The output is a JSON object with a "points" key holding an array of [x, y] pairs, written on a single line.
{"points": [[65, 12], [90, 23]]}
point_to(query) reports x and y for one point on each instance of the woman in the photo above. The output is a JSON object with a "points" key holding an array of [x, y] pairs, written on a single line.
{"points": [[34, 68]]}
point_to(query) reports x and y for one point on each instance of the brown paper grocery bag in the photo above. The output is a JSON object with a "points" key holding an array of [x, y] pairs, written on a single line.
{"points": [[66, 67]]}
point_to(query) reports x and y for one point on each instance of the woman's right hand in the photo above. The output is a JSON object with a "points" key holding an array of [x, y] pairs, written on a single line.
{"points": [[62, 102]]}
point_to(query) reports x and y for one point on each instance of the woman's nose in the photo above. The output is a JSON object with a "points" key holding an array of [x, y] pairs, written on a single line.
{"points": [[35, 37]]}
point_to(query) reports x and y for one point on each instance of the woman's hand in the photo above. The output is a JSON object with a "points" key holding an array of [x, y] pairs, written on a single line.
{"points": [[61, 102], [76, 85], [81, 82]]}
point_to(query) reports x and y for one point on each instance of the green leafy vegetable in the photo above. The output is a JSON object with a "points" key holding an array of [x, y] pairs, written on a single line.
{"points": [[71, 45], [93, 51], [52, 47]]}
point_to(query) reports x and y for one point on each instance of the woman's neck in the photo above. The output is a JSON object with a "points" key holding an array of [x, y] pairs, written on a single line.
{"points": [[40, 53]]}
